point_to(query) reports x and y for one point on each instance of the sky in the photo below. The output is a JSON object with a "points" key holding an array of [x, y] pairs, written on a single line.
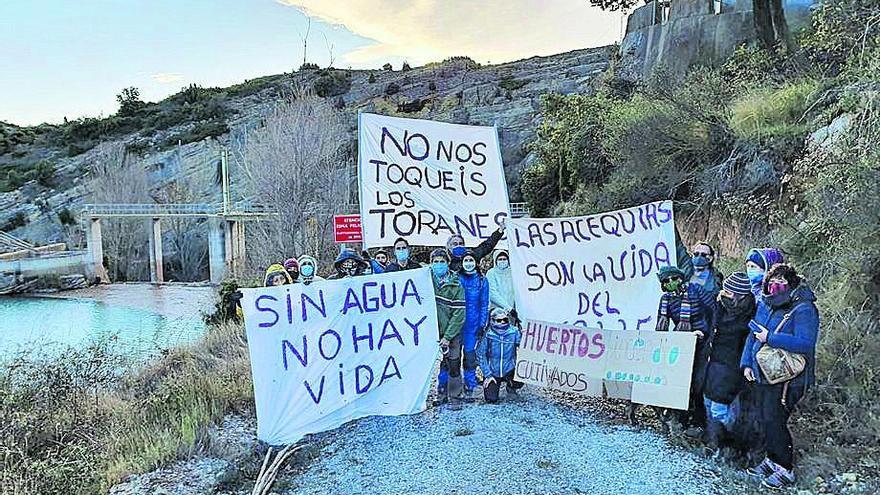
{"points": [[69, 58]]}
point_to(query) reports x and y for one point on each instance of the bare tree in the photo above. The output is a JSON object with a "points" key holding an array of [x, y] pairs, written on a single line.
{"points": [[115, 178], [300, 164], [188, 253], [305, 39]]}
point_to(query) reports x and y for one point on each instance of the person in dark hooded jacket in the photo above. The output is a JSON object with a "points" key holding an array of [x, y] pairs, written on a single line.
{"points": [[292, 267], [723, 378], [348, 264], [476, 296], [455, 246], [787, 319]]}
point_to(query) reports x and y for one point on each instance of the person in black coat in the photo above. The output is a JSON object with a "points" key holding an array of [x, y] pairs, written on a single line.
{"points": [[724, 381]]}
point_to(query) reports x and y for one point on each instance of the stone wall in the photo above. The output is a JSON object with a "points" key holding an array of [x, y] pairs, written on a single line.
{"points": [[683, 33]]}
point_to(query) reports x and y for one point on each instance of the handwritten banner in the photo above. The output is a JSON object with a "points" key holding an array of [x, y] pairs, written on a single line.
{"points": [[332, 351], [593, 271], [426, 180], [646, 367]]}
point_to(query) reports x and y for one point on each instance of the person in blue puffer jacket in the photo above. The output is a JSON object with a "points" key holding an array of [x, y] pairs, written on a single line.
{"points": [[497, 355], [476, 296], [787, 319]]}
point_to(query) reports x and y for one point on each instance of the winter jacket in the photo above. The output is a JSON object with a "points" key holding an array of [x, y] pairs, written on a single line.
{"points": [[302, 278], [798, 334], [449, 295], [276, 268], [395, 266], [479, 252], [476, 296], [500, 286], [497, 351], [709, 279], [724, 379]]}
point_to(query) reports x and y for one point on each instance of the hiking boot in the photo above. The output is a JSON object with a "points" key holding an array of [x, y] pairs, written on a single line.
{"points": [[762, 470], [780, 479], [455, 405], [467, 395], [694, 432]]}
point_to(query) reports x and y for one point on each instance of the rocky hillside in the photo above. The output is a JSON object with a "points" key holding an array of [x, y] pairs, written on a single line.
{"points": [[44, 167]]}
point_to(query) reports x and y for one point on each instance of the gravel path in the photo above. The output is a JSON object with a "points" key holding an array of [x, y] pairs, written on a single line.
{"points": [[531, 446]]}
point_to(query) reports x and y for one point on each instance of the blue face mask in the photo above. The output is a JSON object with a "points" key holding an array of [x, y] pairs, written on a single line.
{"points": [[458, 251], [402, 255], [756, 275], [307, 270], [700, 262], [440, 268]]}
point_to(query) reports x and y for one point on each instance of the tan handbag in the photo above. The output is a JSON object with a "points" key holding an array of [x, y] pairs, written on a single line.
{"points": [[779, 365]]}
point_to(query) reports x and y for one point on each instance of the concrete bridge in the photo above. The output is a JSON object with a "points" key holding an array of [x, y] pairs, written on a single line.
{"points": [[226, 237]]}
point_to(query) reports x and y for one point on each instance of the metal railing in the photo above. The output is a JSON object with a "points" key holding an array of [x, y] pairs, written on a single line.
{"points": [[156, 210], [518, 210]]}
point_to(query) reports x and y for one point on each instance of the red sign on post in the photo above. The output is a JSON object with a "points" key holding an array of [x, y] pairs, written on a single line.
{"points": [[347, 228]]}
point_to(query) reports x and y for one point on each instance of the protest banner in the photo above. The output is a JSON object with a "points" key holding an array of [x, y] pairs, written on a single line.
{"points": [[347, 228], [427, 180], [594, 271], [646, 367], [332, 351]]}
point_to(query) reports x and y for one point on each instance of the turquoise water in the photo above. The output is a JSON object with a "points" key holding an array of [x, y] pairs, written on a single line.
{"points": [[48, 326]]}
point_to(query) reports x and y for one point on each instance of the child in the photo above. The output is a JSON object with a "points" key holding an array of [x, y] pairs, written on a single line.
{"points": [[497, 355]]}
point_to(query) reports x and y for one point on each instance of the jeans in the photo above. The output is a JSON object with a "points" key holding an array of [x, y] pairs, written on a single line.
{"points": [[774, 418]]}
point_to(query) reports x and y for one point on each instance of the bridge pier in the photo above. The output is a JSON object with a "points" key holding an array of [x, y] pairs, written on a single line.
{"points": [[95, 247], [226, 249], [157, 272]]}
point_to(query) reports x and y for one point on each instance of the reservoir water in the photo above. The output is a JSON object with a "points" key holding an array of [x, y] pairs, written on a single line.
{"points": [[140, 319]]}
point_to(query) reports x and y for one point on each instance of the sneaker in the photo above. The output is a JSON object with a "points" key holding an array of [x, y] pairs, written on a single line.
{"points": [[467, 395], [694, 432], [762, 470], [455, 405], [780, 479]]}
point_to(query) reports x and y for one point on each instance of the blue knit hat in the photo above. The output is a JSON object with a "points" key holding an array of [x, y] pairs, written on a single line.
{"points": [[737, 283]]}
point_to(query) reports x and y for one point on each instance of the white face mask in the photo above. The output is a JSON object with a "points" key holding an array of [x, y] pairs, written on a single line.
{"points": [[503, 264], [469, 266]]}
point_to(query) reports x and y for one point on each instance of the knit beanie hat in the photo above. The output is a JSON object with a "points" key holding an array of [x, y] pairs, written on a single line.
{"points": [[670, 271], [765, 257], [439, 252], [737, 283], [755, 257]]}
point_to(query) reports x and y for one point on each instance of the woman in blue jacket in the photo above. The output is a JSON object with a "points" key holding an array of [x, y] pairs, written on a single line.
{"points": [[497, 355], [787, 319], [476, 297]]}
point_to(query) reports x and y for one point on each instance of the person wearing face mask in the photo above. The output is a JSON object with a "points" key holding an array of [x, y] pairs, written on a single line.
{"points": [[758, 261], [690, 309], [455, 246], [476, 296], [786, 319], [377, 263], [705, 274], [292, 267], [308, 266], [402, 259], [500, 280], [724, 381], [348, 264], [276, 275], [449, 296], [497, 355]]}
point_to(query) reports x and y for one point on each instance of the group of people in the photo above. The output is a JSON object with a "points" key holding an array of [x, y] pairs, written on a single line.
{"points": [[739, 320], [755, 355], [476, 311]]}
